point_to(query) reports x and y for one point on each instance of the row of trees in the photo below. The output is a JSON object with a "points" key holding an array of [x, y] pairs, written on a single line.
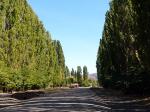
{"points": [[29, 58], [123, 60], [80, 76]]}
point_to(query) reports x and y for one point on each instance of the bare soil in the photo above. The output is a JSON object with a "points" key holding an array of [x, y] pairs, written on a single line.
{"points": [[74, 100]]}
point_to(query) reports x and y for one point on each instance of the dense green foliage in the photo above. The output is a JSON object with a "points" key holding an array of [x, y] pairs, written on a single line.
{"points": [[85, 80], [67, 72], [123, 60], [73, 73], [79, 75], [29, 58], [74, 76], [85, 73], [59, 70], [68, 79]]}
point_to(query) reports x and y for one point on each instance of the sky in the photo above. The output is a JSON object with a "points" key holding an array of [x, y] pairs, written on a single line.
{"points": [[78, 24]]}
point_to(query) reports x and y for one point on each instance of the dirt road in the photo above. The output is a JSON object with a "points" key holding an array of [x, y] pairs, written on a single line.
{"points": [[76, 100]]}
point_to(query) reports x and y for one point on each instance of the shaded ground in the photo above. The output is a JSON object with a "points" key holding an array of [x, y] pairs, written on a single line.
{"points": [[76, 100], [27, 95], [119, 102]]}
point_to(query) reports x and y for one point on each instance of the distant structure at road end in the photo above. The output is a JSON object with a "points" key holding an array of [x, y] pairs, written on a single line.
{"points": [[75, 85]]}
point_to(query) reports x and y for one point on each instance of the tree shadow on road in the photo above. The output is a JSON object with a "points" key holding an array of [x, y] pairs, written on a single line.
{"points": [[120, 102]]}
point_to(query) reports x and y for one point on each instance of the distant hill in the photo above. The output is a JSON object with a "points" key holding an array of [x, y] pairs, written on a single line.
{"points": [[93, 76]]}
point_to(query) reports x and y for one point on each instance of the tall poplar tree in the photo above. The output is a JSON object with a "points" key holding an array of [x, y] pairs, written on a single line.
{"points": [[122, 59], [28, 59], [79, 75], [85, 73]]}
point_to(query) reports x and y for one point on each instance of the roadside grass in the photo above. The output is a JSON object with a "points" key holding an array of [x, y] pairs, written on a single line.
{"points": [[56, 89]]}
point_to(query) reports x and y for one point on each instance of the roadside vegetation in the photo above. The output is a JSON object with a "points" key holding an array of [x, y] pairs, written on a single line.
{"points": [[123, 59], [80, 77], [29, 58]]}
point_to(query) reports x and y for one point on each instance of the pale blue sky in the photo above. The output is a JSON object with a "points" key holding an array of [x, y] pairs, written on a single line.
{"points": [[78, 24]]}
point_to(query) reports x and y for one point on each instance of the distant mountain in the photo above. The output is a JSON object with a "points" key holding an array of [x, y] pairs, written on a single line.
{"points": [[93, 76]]}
